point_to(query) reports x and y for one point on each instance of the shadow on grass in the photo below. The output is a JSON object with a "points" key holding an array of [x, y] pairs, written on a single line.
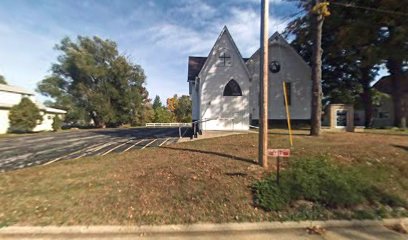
{"points": [[400, 146], [247, 160], [287, 134], [388, 133], [236, 174]]}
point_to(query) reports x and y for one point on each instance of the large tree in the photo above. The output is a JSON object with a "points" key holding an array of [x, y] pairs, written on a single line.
{"points": [[394, 38], [91, 77], [352, 55], [161, 113], [180, 107]]}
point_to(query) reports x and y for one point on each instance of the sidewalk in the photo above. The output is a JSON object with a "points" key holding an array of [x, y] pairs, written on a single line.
{"points": [[328, 230]]}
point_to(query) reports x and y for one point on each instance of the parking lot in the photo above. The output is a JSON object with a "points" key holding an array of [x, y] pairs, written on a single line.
{"points": [[46, 148]]}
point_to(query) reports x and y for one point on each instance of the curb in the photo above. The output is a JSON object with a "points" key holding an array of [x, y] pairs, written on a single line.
{"points": [[195, 228]]}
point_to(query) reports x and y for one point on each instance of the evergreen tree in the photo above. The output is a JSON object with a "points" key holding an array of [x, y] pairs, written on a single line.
{"points": [[24, 116], [157, 103]]}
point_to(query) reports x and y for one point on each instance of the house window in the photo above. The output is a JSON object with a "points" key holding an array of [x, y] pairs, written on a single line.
{"points": [[224, 58], [288, 87], [232, 89]]}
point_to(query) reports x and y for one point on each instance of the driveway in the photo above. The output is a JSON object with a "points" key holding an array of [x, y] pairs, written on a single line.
{"points": [[46, 148]]}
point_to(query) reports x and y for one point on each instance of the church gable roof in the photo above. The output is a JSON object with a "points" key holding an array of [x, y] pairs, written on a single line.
{"points": [[195, 64], [277, 38], [217, 42], [385, 84]]}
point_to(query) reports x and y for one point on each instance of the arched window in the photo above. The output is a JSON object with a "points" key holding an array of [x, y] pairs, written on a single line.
{"points": [[232, 89]]}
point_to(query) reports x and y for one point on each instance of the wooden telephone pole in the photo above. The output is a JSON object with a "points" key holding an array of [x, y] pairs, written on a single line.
{"points": [[263, 96]]}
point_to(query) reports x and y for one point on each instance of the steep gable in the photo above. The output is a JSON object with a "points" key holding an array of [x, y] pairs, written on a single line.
{"points": [[276, 38], [224, 40]]}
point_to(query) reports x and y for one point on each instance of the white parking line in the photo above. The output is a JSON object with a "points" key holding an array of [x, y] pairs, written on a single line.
{"points": [[145, 146], [89, 151], [164, 142], [132, 146], [120, 145], [78, 151]]}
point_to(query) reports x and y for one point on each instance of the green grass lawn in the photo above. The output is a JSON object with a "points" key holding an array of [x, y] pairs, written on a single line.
{"points": [[200, 181]]}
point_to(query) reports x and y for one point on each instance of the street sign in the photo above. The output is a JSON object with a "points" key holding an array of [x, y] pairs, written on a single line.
{"points": [[279, 152]]}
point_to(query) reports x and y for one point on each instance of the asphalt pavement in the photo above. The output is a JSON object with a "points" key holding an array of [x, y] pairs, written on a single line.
{"points": [[46, 148]]}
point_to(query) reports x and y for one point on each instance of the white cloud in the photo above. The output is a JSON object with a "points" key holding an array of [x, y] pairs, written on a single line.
{"points": [[180, 39], [196, 9], [244, 25]]}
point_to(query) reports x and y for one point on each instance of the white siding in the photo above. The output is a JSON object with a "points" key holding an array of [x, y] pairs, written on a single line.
{"points": [[4, 121], [293, 70], [46, 124], [13, 98], [227, 113]]}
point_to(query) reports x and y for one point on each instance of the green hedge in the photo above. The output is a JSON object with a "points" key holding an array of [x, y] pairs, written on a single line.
{"points": [[319, 181]]}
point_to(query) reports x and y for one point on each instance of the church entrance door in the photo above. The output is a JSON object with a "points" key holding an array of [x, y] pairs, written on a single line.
{"points": [[231, 114]]}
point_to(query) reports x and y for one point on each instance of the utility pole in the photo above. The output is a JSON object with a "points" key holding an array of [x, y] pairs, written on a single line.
{"points": [[263, 94], [319, 11]]}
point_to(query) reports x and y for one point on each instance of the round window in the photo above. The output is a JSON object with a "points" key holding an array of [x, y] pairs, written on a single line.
{"points": [[274, 66]]}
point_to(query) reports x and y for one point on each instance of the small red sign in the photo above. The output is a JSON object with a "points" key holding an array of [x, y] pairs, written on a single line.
{"points": [[279, 152]]}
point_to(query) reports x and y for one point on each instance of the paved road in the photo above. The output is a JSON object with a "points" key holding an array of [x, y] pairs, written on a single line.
{"points": [[46, 148]]}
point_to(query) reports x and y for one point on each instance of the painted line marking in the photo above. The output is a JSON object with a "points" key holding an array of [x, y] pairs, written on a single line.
{"points": [[164, 142], [118, 146], [95, 149], [133, 145], [72, 153], [145, 146]]}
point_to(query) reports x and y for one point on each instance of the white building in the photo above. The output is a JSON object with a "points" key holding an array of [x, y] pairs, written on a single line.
{"points": [[224, 87], [12, 95]]}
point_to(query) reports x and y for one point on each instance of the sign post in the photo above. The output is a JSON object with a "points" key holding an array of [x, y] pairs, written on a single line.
{"points": [[278, 153]]}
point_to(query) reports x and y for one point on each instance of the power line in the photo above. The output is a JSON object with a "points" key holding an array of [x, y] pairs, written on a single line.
{"points": [[370, 9], [352, 5]]}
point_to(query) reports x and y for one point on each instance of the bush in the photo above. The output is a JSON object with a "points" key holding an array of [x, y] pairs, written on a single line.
{"points": [[57, 123], [24, 116], [320, 181], [269, 195], [315, 180]]}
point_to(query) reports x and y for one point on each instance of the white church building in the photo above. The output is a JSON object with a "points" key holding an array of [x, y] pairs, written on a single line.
{"points": [[224, 87]]}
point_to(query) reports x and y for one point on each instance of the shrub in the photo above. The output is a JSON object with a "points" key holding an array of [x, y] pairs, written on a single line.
{"points": [[269, 195], [320, 181], [315, 180], [24, 116], [57, 123]]}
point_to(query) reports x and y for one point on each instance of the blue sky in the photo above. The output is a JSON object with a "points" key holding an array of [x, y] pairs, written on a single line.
{"points": [[157, 34]]}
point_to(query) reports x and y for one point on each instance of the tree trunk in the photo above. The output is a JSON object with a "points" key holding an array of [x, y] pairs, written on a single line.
{"points": [[316, 113], [395, 68], [97, 121], [366, 96]]}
